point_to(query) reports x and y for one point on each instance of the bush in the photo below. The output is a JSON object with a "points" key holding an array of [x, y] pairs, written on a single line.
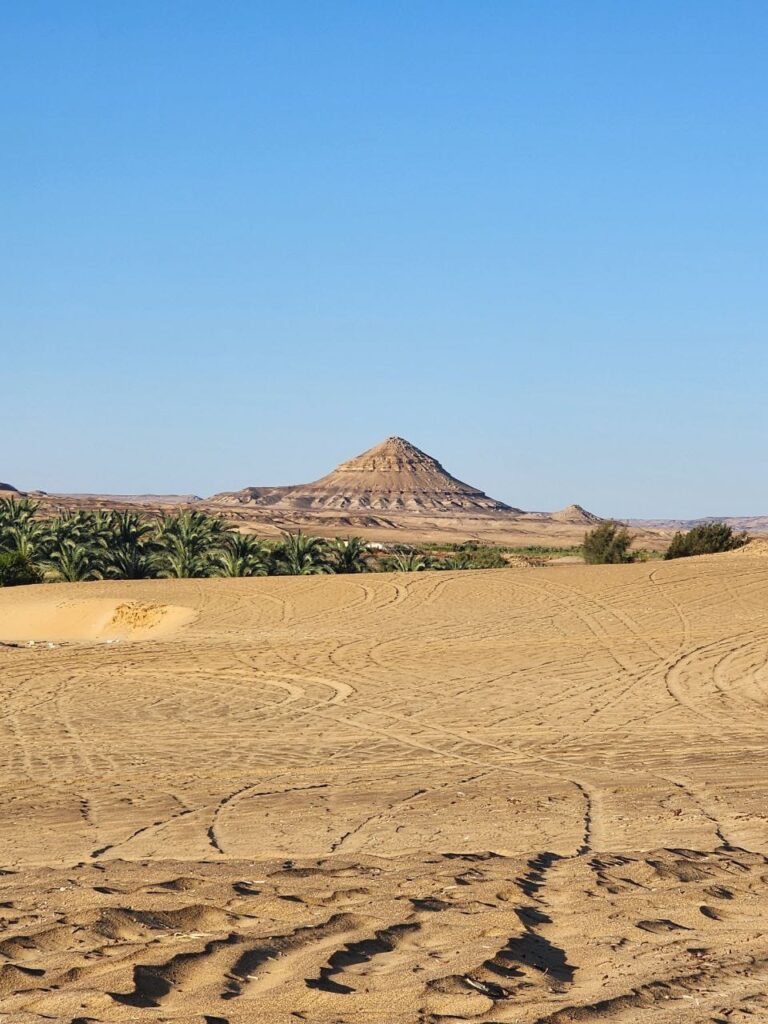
{"points": [[482, 556], [705, 539], [607, 544], [16, 570]]}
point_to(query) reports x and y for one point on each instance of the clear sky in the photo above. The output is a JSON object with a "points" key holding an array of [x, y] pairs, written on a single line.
{"points": [[243, 241]]}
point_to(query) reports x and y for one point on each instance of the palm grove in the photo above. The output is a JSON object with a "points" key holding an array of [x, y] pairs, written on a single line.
{"points": [[85, 545], [91, 545]]}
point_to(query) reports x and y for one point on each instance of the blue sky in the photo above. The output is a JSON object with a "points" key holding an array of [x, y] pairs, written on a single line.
{"points": [[244, 241]]}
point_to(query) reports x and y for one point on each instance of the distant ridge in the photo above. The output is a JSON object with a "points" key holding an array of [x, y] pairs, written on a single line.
{"points": [[137, 499], [752, 524], [394, 476], [8, 489]]}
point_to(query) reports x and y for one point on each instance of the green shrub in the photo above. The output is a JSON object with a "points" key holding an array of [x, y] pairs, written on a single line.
{"points": [[16, 570], [483, 556], [705, 539], [608, 543]]}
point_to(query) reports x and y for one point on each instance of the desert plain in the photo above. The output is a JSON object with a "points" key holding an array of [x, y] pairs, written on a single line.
{"points": [[531, 796]]}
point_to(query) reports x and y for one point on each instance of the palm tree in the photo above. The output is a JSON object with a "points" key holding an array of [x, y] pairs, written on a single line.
{"points": [[191, 542], [460, 560], [20, 531], [408, 561], [128, 527], [14, 511], [82, 527], [300, 555], [348, 555], [243, 556], [17, 570], [132, 547], [72, 562], [132, 562], [100, 524]]}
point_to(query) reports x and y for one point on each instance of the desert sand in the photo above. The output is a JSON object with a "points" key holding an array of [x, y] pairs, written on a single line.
{"points": [[502, 796]]}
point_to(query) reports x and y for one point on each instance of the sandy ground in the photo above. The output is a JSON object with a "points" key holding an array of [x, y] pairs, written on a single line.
{"points": [[505, 796]]}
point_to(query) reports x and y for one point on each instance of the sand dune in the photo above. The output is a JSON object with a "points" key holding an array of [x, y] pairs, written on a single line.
{"points": [[534, 797], [88, 618]]}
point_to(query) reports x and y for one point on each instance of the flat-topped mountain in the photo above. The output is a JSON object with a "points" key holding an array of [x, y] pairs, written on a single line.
{"points": [[394, 476]]}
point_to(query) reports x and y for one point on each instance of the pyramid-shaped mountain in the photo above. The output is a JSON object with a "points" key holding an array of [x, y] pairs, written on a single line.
{"points": [[577, 515], [394, 476]]}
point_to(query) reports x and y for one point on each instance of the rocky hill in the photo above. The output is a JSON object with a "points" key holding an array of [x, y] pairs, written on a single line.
{"points": [[394, 476], [577, 515]]}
